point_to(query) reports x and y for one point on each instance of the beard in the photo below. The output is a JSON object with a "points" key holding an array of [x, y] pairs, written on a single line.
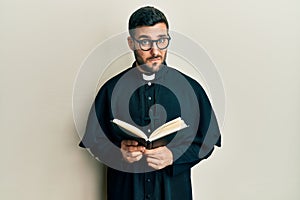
{"points": [[156, 66]]}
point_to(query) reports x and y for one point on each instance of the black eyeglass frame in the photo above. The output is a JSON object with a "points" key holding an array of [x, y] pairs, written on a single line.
{"points": [[152, 41]]}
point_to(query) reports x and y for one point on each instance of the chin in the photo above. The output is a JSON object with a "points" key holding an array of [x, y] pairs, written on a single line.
{"points": [[154, 67]]}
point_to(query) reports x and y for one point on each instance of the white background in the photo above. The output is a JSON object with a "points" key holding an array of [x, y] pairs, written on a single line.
{"points": [[254, 44]]}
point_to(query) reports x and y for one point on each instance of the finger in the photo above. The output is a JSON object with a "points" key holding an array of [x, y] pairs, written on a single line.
{"points": [[156, 155], [129, 142], [134, 154], [154, 166], [137, 158], [131, 160], [135, 148], [153, 151], [160, 160], [131, 145], [153, 161]]}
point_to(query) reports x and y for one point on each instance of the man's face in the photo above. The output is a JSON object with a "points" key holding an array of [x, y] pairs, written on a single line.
{"points": [[149, 61]]}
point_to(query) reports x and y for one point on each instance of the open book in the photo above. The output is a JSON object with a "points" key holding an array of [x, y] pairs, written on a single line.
{"points": [[159, 137]]}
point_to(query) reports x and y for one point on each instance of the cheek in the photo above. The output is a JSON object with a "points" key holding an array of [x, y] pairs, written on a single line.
{"points": [[163, 54], [143, 54]]}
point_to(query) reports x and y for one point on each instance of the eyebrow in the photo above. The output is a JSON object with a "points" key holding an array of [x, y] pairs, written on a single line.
{"points": [[147, 37]]}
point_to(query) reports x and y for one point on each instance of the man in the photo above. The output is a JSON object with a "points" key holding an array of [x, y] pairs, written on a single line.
{"points": [[147, 95]]}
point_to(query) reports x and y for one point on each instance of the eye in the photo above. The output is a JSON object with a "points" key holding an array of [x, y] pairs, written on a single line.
{"points": [[162, 40], [145, 42]]}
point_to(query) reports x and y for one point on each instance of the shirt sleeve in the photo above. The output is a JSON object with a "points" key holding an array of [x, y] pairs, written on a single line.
{"points": [[97, 138], [208, 136]]}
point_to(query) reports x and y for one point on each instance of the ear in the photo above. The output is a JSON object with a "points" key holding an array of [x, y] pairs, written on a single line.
{"points": [[130, 43]]}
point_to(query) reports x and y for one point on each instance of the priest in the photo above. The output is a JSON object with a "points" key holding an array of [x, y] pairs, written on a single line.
{"points": [[147, 95]]}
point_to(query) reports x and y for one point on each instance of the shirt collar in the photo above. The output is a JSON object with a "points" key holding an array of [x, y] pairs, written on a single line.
{"points": [[154, 76], [148, 77]]}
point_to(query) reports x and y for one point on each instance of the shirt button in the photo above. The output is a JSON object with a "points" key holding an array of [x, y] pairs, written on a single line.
{"points": [[149, 130], [149, 83], [148, 180], [149, 98], [148, 196]]}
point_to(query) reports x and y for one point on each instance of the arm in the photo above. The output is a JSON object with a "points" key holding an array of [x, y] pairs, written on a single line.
{"points": [[193, 144], [191, 151]]}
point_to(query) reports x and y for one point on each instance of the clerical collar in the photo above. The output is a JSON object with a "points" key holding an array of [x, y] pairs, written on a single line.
{"points": [[148, 77], [157, 75]]}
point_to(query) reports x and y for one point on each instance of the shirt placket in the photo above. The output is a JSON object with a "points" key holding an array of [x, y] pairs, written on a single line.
{"points": [[149, 100], [149, 186]]}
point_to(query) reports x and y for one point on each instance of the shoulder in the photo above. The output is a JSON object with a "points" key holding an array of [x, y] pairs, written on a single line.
{"points": [[199, 91], [105, 91], [193, 83], [110, 84]]}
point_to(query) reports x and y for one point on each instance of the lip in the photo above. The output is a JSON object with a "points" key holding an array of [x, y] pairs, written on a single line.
{"points": [[154, 59]]}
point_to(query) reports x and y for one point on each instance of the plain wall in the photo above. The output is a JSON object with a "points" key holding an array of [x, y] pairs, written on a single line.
{"points": [[254, 44]]}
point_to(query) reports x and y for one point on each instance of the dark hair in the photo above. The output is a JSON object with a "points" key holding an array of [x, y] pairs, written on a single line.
{"points": [[146, 16]]}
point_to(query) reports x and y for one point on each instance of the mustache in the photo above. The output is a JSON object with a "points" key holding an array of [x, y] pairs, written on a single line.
{"points": [[154, 57]]}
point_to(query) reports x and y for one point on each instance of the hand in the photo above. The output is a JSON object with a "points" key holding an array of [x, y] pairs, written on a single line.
{"points": [[131, 152], [159, 158]]}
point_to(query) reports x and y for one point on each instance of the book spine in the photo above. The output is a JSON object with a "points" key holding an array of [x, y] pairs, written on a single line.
{"points": [[149, 145]]}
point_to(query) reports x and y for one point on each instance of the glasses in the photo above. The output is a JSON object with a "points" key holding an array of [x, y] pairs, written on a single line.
{"points": [[147, 44]]}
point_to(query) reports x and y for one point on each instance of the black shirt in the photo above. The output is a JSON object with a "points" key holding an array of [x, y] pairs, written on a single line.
{"points": [[149, 104]]}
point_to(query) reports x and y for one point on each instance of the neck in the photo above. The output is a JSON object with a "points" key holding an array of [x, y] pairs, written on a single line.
{"points": [[140, 68], [143, 70]]}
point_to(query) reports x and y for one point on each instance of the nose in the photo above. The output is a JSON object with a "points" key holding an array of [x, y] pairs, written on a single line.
{"points": [[154, 50]]}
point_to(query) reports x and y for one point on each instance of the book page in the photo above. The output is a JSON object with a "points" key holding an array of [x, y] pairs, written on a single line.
{"points": [[130, 128], [168, 128]]}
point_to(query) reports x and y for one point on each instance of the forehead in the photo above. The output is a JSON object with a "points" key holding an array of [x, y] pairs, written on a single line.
{"points": [[158, 30]]}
